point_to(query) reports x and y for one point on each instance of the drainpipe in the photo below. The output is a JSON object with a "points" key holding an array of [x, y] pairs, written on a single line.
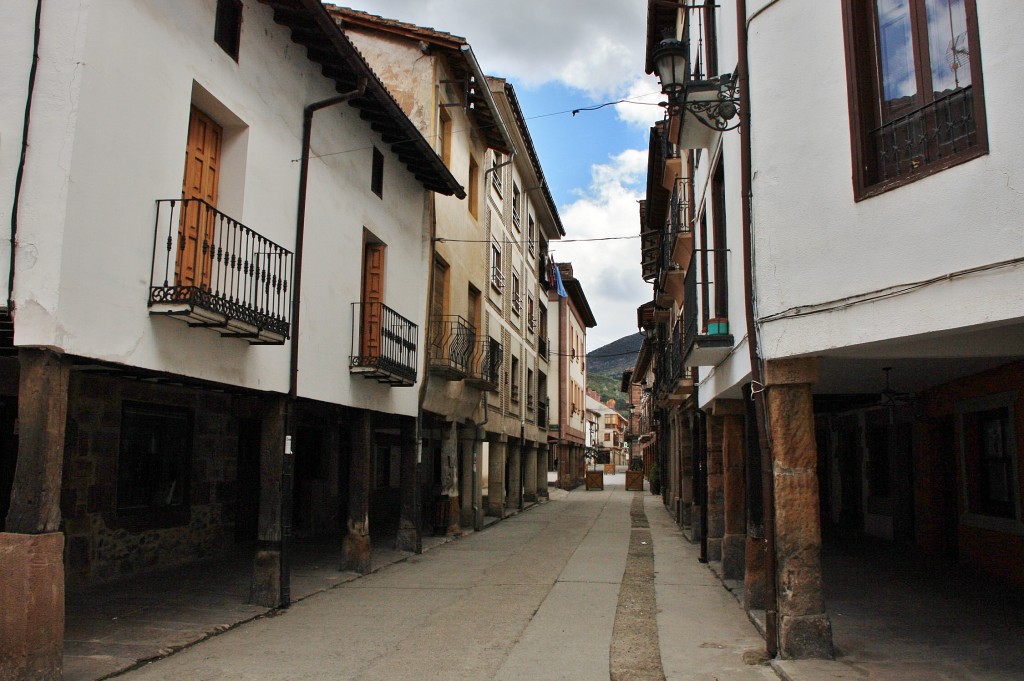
{"points": [[300, 222], [24, 152], [767, 479]]}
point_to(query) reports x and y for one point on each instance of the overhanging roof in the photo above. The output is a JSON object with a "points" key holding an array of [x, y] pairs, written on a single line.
{"points": [[460, 58], [313, 28]]}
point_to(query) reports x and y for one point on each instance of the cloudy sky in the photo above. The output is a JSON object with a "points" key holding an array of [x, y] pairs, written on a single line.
{"points": [[560, 56]]}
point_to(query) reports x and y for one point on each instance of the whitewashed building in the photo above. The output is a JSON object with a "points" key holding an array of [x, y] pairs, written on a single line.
{"points": [[174, 172], [879, 258]]}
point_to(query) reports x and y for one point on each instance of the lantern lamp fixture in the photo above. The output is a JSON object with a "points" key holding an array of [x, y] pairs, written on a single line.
{"points": [[713, 102]]}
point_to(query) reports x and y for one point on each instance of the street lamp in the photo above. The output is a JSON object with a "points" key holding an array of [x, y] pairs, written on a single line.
{"points": [[713, 102]]}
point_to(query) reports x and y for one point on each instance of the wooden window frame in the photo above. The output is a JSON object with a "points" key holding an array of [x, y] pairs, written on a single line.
{"points": [[377, 173], [859, 38], [971, 458], [227, 27], [473, 189]]}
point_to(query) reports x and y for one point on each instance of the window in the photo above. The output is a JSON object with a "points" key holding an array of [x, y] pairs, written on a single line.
{"points": [[607, 437], [227, 29], [444, 136], [472, 195], [989, 456], [531, 318], [515, 379], [377, 175], [916, 103], [721, 255], [496, 172], [529, 388], [155, 462], [517, 301], [531, 235], [517, 207], [497, 278]]}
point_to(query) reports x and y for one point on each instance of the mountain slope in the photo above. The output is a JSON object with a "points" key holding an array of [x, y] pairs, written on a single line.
{"points": [[606, 364]]}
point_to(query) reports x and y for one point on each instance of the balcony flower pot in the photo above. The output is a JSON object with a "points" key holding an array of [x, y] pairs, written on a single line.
{"points": [[718, 326]]}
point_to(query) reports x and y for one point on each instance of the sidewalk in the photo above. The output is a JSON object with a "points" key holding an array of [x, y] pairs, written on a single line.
{"points": [[117, 625]]}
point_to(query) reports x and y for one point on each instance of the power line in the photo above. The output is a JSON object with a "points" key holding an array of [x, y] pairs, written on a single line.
{"points": [[628, 100]]}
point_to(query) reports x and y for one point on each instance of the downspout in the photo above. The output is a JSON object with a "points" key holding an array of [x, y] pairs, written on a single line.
{"points": [[767, 478], [24, 153], [300, 223]]}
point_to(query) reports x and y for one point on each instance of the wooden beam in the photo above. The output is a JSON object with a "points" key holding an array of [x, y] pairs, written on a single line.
{"points": [[42, 414]]}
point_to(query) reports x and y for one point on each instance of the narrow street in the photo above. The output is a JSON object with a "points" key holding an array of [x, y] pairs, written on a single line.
{"points": [[536, 596]]}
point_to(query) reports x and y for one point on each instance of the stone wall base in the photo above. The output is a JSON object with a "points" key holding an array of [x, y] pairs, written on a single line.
{"points": [[355, 552], [755, 582], [734, 547], [265, 589], [806, 637], [32, 610]]}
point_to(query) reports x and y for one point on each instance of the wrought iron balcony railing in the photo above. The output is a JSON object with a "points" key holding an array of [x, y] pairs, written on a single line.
{"points": [[384, 344], [450, 347], [531, 323], [933, 132], [517, 301], [212, 271], [485, 364], [497, 278]]}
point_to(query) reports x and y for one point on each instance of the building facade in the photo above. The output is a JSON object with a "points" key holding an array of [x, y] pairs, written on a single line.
{"points": [[792, 355], [166, 412]]}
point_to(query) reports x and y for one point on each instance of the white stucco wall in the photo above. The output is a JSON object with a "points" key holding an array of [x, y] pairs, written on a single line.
{"points": [[110, 118], [814, 243]]}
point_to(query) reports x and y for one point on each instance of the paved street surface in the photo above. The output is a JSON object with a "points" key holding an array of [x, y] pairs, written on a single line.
{"points": [[536, 596]]}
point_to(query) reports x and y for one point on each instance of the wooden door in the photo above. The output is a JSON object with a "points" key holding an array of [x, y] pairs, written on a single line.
{"points": [[372, 300], [437, 323], [202, 172]]}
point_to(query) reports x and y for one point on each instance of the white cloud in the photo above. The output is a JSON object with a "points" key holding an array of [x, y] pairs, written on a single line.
{"points": [[642, 110], [595, 46], [608, 270]]}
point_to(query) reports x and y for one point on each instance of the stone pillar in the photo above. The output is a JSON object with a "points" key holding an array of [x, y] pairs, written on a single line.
{"points": [[755, 582], [410, 525], [515, 475], [542, 472], [530, 472], [450, 477], [270, 578], [686, 475], [355, 547], [469, 485], [496, 475], [805, 630], [32, 548], [716, 488], [734, 540]]}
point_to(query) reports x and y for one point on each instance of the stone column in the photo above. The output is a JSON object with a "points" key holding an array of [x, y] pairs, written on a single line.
{"points": [[496, 475], [32, 548], [686, 475], [734, 540], [469, 485], [410, 525], [355, 546], [716, 488], [450, 477], [542, 472], [270, 578], [515, 475], [530, 472], [804, 628], [755, 582]]}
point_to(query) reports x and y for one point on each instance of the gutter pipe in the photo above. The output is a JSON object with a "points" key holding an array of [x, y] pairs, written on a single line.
{"points": [[756, 363], [24, 153], [300, 222]]}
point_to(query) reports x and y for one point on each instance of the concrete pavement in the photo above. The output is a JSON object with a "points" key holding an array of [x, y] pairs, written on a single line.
{"points": [[535, 596]]}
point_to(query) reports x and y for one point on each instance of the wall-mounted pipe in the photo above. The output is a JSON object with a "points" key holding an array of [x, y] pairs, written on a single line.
{"points": [[753, 338], [24, 153], [300, 222]]}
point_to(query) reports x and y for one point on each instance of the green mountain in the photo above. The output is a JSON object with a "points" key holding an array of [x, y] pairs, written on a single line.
{"points": [[606, 364]]}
